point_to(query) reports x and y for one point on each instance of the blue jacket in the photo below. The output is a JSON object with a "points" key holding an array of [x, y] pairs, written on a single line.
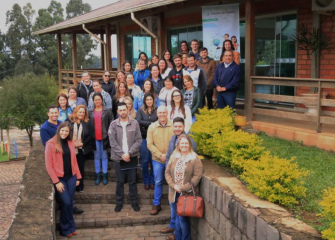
{"points": [[64, 114], [227, 77], [172, 146], [138, 101], [140, 76], [80, 101], [48, 130]]}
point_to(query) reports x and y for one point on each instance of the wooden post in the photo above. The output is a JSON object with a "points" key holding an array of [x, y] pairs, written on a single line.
{"points": [[118, 39], [74, 58], [319, 110], [249, 55], [59, 46], [108, 46], [102, 51], [161, 33], [8, 143]]}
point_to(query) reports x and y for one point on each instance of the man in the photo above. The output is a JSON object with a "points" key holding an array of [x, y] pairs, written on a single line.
{"points": [[107, 85], [196, 73], [209, 66], [227, 80], [85, 88], [48, 130], [107, 100], [49, 127], [226, 36], [158, 137], [195, 49], [176, 74], [178, 129], [125, 140]]}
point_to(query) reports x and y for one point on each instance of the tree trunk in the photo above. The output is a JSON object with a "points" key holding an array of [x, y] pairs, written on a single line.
{"points": [[30, 134]]}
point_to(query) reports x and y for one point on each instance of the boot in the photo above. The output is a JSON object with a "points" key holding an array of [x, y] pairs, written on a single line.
{"points": [[155, 209], [105, 178], [98, 178]]}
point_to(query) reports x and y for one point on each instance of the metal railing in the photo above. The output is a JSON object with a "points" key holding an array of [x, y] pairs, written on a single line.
{"points": [[313, 102]]}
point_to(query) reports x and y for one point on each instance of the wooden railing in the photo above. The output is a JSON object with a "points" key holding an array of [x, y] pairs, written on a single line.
{"points": [[292, 113], [67, 78]]}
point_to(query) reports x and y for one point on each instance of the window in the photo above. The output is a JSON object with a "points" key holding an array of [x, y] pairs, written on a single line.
{"points": [[136, 44]]}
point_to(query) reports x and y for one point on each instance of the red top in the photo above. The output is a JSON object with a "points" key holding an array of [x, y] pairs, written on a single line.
{"points": [[98, 125]]}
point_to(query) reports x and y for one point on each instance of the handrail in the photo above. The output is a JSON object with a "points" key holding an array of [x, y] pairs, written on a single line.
{"points": [[294, 79]]}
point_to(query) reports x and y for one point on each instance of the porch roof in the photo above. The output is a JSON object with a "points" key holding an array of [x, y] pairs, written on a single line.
{"points": [[112, 10]]}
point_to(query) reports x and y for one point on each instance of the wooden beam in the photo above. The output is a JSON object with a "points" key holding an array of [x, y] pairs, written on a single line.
{"points": [[74, 58], [285, 114], [161, 33], [59, 47], [102, 51], [249, 56], [108, 46]]}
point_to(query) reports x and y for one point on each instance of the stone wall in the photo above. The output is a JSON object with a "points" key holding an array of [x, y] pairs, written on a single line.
{"points": [[232, 213], [34, 214]]}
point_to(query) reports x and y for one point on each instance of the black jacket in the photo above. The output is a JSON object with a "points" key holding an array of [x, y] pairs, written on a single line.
{"points": [[108, 87], [106, 119], [82, 92], [86, 136], [144, 119], [177, 78]]}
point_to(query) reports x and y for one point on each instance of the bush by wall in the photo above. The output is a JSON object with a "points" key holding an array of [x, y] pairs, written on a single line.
{"points": [[328, 206]]}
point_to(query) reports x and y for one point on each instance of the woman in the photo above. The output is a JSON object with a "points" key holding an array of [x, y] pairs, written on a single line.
{"points": [[134, 90], [74, 100], [141, 74], [129, 102], [164, 70], [235, 44], [156, 79], [119, 77], [154, 60], [228, 45], [127, 67], [62, 167], [81, 138], [184, 60], [184, 168], [184, 48], [165, 93], [147, 87], [121, 92], [100, 118], [192, 96], [179, 109], [168, 58], [63, 107], [146, 115]]}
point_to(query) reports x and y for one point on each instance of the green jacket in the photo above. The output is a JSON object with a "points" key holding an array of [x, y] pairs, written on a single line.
{"points": [[197, 101]]}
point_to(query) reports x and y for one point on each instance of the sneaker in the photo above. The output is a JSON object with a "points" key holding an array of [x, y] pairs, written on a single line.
{"points": [[155, 209], [77, 210], [136, 207], [118, 207]]}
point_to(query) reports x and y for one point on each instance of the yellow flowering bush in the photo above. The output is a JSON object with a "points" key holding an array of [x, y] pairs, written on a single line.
{"points": [[275, 179], [328, 206]]}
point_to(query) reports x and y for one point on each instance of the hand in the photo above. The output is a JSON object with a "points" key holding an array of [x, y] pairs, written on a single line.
{"points": [[177, 188], [77, 183], [218, 89], [126, 157], [163, 157], [60, 187], [223, 89]]}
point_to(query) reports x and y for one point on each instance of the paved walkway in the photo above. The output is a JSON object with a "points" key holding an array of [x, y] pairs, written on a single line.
{"points": [[10, 180]]}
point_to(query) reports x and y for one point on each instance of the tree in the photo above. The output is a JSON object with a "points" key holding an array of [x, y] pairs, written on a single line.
{"points": [[25, 99], [5, 61]]}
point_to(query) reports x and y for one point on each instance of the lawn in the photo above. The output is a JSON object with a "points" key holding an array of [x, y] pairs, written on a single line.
{"points": [[321, 165], [4, 157]]}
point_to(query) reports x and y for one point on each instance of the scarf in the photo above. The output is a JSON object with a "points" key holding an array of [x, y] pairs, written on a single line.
{"points": [[77, 133]]}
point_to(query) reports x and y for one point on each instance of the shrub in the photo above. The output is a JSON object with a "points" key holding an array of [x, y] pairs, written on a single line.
{"points": [[328, 205], [274, 179]]}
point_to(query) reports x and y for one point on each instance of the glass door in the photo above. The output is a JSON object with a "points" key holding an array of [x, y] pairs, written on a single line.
{"points": [[136, 44]]}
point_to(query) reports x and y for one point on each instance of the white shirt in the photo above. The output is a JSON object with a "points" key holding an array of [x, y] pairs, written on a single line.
{"points": [[124, 137]]}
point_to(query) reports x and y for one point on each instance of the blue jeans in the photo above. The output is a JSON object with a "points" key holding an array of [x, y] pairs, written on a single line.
{"points": [[146, 157], [159, 175], [173, 208], [182, 230], [66, 222], [100, 154], [226, 99]]}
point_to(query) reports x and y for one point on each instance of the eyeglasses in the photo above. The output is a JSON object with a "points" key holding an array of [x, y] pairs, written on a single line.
{"points": [[177, 96], [107, 75]]}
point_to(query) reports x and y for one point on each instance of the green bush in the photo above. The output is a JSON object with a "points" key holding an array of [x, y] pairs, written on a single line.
{"points": [[328, 206]]}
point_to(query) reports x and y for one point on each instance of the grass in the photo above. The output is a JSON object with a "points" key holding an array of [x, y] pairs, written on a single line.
{"points": [[4, 157], [322, 168]]}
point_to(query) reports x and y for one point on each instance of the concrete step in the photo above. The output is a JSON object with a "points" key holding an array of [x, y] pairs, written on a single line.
{"points": [[144, 232], [106, 194], [103, 216]]}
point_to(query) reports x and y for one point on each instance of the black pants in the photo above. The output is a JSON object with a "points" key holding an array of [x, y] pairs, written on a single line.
{"points": [[209, 96], [81, 164], [120, 179]]}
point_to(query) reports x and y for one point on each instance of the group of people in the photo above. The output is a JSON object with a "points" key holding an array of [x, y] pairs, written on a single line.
{"points": [[142, 118]]}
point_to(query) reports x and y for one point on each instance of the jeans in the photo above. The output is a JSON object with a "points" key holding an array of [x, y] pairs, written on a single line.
{"points": [[182, 230], [100, 154], [81, 164], [226, 99], [146, 157], [66, 222], [159, 175], [173, 208], [120, 179]]}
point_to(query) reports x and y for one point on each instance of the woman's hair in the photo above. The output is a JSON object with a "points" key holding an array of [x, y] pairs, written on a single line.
{"points": [[132, 112], [231, 43], [73, 117], [127, 93], [188, 138], [124, 64], [145, 106], [64, 96], [166, 65], [97, 94], [168, 78], [188, 49], [181, 107], [152, 90], [232, 38], [58, 145], [146, 56], [72, 88], [188, 78], [170, 59]]}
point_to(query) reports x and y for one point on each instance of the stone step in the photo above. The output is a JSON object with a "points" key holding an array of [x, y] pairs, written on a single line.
{"points": [[144, 232], [106, 194], [103, 216]]}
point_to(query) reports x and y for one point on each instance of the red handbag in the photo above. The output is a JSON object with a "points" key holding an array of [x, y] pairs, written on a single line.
{"points": [[190, 206]]}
